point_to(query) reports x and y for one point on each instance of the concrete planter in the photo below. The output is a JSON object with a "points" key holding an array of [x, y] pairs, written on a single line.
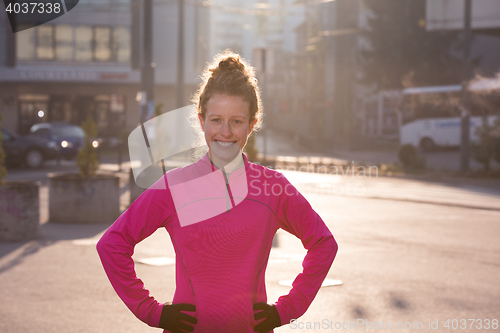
{"points": [[135, 190], [74, 199], [19, 210]]}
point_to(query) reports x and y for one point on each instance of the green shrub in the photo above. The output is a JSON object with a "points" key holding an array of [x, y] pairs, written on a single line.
{"points": [[407, 154], [410, 158], [488, 146], [87, 160]]}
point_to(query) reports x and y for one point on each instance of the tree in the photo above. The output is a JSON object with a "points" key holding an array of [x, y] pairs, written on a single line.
{"points": [[400, 52], [87, 160]]}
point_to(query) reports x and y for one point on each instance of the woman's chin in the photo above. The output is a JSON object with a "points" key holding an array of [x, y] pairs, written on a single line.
{"points": [[221, 156]]}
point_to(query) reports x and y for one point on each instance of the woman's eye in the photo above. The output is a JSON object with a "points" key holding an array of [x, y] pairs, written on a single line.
{"points": [[216, 120], [237, 121]]}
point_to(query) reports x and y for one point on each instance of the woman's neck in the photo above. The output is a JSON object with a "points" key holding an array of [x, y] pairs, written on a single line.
{"points": [[228, 167]]}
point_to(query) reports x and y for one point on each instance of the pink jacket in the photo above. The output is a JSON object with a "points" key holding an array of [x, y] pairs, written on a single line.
{"points": [[221, 257]]}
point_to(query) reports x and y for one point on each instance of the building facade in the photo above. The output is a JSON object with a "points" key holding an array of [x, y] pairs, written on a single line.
{"points": [[88, 62]]}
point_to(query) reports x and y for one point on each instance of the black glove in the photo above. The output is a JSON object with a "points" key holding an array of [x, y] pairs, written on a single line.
{"points": [[270, 313], [174, 320]]}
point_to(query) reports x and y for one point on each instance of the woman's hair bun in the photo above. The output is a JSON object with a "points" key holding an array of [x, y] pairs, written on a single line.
{"points": [[229, 64]]}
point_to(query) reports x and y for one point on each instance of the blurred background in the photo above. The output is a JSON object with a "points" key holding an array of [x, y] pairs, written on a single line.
{"points": [[333, 73]]}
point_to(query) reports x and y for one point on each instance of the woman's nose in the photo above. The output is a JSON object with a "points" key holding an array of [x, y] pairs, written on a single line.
{"points": [[226, 130]]}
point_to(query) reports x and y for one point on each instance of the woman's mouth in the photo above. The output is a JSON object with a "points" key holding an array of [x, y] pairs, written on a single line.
{"points": [[225, 143]]}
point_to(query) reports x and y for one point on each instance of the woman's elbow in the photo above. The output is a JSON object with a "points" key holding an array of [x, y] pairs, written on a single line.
{"points": [[333, 246], [102, 245]]}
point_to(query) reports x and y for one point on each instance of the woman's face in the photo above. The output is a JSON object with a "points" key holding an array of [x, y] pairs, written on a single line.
{"points": [[226, 126]]}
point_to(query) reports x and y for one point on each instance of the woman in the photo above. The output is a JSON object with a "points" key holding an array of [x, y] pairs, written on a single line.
{"points": [[221, 213]]}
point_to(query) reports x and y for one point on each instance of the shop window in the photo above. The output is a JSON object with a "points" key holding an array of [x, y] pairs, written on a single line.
{"points": [[101, 113], [116, 116], [60, 109], [102, 38], [64, 42], [45, 38], [30, 106]]}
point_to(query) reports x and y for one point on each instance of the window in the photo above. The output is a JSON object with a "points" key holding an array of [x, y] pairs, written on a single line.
{"points": [[102, 37], [25, 46], [71, 131], [64, 42], [43, 132], [121, 44], [83, 45], [67, 43], [45, 47]]}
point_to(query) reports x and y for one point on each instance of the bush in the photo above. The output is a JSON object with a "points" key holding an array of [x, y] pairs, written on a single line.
{"points": [[407, 154], [410, 158], [87, 160], [489, 146]]}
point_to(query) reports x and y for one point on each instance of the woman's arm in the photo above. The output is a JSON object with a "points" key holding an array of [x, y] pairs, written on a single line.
{"points": [[149, 212], [296, 216]]}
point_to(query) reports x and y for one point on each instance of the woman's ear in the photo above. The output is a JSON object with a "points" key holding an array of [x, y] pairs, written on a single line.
{"points": [[252, 124], [202, 122]]}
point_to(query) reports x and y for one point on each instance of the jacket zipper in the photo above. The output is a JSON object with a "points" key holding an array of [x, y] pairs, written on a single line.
{"points": [[229, 199]]}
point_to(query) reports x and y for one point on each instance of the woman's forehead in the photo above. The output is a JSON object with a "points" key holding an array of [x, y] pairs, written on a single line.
{"points": [[227, 105]]}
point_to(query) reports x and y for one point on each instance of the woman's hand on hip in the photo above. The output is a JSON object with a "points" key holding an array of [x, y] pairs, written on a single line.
{"points": [[174, 320], [270, 313]]}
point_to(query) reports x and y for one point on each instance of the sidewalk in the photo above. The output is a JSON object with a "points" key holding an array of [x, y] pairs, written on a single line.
{"points": [[279, 144], [481, 193], [470, 193]]}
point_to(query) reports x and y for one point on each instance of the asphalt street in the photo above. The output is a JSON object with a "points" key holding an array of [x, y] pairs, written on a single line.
{"points": [[398, 262], [412, 254]]}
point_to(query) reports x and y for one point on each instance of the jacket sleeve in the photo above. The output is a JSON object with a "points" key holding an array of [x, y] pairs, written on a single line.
{"points": [[152, 210], [296, 216]]}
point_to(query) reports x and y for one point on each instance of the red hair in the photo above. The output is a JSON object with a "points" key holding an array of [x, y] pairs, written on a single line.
{"points": [[228, 74]]}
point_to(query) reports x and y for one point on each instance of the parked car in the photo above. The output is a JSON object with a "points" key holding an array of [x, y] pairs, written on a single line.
{"points": [[68, 137], [30, 150]]}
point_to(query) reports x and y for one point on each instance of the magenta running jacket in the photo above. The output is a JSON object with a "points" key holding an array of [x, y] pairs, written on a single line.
{"points": [[221, 256]]}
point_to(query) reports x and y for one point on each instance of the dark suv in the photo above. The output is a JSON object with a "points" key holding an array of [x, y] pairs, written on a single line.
{"points": [[32, 151], [69, 138]]}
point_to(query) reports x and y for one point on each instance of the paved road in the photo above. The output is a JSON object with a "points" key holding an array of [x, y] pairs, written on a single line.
{"points": [[423, 253], [398, 261]]}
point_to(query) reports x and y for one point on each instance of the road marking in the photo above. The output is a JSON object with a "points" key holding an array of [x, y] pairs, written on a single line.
{"points": [[156, 261], [326, 283]]}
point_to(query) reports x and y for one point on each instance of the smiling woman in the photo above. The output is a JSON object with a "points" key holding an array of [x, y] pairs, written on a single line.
{"points": [[222, 232], [229, 107]]}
